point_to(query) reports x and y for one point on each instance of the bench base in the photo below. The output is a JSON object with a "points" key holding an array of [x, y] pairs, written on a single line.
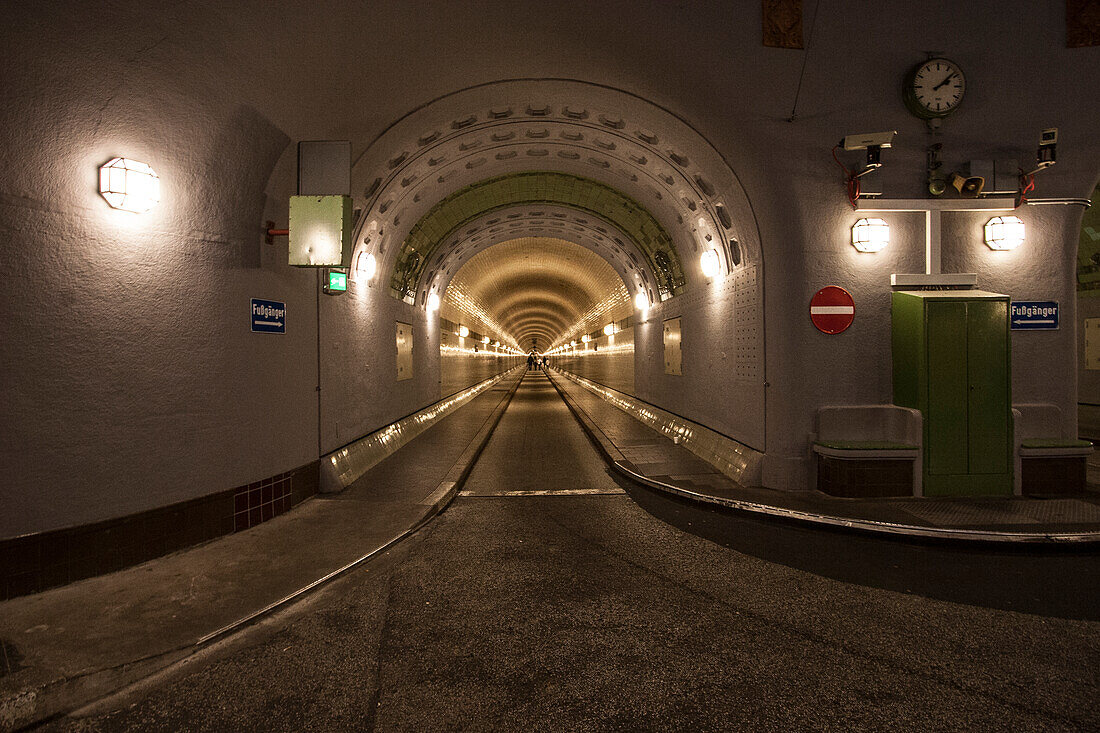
{"points": [[864, 477], [1052, 474]]}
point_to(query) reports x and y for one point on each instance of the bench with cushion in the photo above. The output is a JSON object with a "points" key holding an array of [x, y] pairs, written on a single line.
{"points": [[868, 450], [1047, 462]]}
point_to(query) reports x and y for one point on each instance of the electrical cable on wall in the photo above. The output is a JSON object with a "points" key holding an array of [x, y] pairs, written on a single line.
{"points": [[851, 179], [1027, 184], [805, 57]]}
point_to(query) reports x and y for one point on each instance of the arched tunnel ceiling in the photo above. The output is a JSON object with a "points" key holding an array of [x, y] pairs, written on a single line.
{"points": [[556, 222], [614, 139], [538, 288], [450, 217]]}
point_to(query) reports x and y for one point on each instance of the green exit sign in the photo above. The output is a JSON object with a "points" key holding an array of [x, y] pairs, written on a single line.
{"points": [[336, 282]]}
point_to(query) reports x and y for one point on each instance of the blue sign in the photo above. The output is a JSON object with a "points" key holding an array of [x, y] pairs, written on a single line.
{"points": [[1033, 314], [268, 316]]}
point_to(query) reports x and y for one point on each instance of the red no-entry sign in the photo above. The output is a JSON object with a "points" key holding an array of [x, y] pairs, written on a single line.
{"points": [[832, 309]]}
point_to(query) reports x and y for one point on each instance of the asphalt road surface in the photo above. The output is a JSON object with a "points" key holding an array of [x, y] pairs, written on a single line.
{"points": [[580, 610]]}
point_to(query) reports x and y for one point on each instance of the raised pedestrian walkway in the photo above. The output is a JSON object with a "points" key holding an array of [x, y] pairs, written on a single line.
{"points": [[647, 456], [70, 645]]}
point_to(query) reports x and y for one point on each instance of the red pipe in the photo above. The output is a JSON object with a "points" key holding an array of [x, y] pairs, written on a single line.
{"points": [[272, 232]]}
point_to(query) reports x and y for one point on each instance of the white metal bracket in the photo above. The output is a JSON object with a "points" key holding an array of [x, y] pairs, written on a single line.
{"points": [[932, 209]]}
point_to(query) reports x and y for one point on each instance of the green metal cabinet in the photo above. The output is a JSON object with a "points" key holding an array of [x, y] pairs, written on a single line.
{"points": [[952, 362]]}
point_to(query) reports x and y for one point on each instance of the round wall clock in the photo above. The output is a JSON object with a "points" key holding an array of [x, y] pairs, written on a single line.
{"points": [[934, 88]]}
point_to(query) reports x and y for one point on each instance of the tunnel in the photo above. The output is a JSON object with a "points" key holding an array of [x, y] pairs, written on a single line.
{"points": [[495, 164], [739, 346]]}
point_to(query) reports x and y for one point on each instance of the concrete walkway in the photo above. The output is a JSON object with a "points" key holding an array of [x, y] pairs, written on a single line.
{"points": [[71, 645], [648, 456]]}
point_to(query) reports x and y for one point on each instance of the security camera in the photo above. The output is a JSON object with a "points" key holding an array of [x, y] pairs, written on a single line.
{"points": [[1048, 151], [874, 142], [868, 140]]}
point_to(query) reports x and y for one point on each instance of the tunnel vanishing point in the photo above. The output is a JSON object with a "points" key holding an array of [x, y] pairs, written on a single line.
{"points": [[351, 216]]}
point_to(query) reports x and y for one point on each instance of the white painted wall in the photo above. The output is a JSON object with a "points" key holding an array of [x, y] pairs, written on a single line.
{"points": [[130, 376]]}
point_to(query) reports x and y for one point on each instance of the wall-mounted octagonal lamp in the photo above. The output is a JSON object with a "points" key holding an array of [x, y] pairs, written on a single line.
{"points": [[365, 267], [641, 301], [870, 235], [129, 185], [485, 340], [584, 339], [433, 302], [609, 329], [1004, 232], [710, 263], [463, 331]]}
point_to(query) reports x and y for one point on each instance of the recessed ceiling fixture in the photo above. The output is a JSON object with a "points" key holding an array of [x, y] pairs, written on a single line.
{"points": [[710, 263], [129, 185], [365, 267]]}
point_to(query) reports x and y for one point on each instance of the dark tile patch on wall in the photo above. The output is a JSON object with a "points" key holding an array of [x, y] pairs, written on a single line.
{"points": [[782, 23], [33, 563], [10, 658], [260, 501], [1082, 23]]}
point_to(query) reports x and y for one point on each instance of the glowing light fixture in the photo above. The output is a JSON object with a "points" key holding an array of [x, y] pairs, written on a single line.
{"points": [[365, 267], [870, 235], [485, 340], [129, 185], [1004, 232], [433, 302], [609, 329], [572, 343], [584, 339], [710, 263], [463, 331], [641, 301]]}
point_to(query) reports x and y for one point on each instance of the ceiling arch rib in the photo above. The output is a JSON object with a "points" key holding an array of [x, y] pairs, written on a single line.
{"points": [[537, 313], [603, 238], [538, 288], [556, 293]]}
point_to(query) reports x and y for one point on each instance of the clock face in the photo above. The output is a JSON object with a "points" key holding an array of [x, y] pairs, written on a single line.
{"points": [[935, 88]]}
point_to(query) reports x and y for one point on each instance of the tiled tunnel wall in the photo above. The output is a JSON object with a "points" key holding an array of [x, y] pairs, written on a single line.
{"points": [[608, 360], [461, 367]]}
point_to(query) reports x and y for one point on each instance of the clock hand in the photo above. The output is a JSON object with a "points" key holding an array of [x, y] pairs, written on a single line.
{"points": [[946, 79]]}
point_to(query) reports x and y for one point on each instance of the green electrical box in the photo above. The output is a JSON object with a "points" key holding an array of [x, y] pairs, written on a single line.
{"points": [[952, 361], [320, 231]]}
